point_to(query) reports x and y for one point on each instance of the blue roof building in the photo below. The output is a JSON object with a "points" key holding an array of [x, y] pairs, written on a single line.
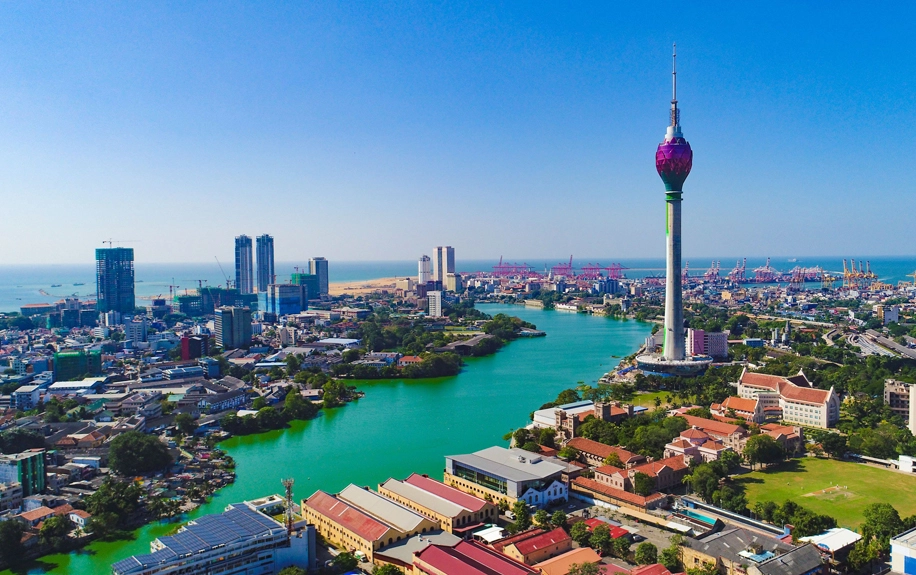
{"points": [[239, 541]]}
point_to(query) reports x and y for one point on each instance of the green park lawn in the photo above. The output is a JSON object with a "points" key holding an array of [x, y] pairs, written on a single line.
{"points": [[804, 481], [648, 399]]}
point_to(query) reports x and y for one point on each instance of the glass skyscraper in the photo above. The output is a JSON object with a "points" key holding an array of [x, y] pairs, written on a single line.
{"points": [[319, 267], [265, 247], [114, 279], [243, 265]]}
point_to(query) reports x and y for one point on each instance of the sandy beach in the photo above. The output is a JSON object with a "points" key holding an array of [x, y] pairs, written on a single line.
{"points": [[361, 287]]}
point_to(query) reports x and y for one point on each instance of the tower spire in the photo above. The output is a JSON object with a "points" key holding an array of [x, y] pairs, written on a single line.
{"points": [[675, 116]]}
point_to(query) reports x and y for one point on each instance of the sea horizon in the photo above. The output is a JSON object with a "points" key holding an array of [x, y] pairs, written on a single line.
{"points": [[22, 284]]}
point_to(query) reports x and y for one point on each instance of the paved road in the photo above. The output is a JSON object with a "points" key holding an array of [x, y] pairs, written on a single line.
{"points": [[867, 346], [889, 343]]}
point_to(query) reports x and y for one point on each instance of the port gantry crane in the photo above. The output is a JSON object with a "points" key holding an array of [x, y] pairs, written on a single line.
{"points": [[712, 274], [737, 275]]}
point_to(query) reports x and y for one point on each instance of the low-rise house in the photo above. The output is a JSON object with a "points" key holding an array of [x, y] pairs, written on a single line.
{"points": [[80, 518], [146, 404], [10, 496], [222, 401], [467, 558], [409, 360], [667, 473], [594, 453], [536, 547], [790, 437], [36, 516], [696, 445], [748, 409], [561, 564], [733, 436]]}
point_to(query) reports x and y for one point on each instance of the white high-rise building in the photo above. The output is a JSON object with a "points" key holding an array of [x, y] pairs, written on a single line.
{"points": [[135, 331], [425, 274], [443, 262], [435, 303]]}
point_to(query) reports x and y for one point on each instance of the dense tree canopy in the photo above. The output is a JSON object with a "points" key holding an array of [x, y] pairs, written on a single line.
{"points": [[135, 453]]}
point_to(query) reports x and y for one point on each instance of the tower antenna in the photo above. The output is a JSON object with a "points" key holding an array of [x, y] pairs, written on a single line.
{"points": [[288, 515], [675, 116]]}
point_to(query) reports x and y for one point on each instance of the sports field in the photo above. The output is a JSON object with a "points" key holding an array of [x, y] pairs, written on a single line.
{"points": [[836, 488], [648, 399]]}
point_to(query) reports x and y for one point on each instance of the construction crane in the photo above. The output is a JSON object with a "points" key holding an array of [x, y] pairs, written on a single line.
{"points": [[229, 281], [111, 242]]}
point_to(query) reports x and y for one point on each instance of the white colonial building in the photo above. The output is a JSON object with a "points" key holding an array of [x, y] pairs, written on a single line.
{"points": [[791, 398]]}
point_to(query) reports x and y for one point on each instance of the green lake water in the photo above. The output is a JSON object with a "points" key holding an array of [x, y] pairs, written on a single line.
{"points": [[403, 426]]}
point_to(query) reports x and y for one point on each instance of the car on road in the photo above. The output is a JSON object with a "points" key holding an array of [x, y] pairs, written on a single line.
{"points": [[510, 515]]}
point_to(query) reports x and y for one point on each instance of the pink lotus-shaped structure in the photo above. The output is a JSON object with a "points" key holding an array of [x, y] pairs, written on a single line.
{"points": [[673, 160]]}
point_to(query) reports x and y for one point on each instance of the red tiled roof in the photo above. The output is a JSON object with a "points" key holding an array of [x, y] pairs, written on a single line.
{"points": [[805, 394], [348, 517], [470, 558], [693, 434], [593, 522], [63, 509], [608, 470], [618, 494], [713, 427], [547, 451], [714, 445], [532, 544], [36, 514], [740, 404], [655, 569], [446, 492], [501, 544], [81, 513], [601, 450], [675, 463], [762, 380]]}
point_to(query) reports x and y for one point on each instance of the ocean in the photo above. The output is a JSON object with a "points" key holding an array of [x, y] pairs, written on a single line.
{"points": [[24, 284]]}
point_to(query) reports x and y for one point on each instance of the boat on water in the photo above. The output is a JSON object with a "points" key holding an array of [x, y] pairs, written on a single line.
{"points": [[792, 260], [79, 284], [55, 285]]}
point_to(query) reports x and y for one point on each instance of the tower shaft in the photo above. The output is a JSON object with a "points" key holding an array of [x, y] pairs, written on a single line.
{"points": [[674, 348]]}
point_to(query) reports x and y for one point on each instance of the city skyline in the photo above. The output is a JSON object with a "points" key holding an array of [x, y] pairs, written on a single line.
{"points": [[537, 118]]}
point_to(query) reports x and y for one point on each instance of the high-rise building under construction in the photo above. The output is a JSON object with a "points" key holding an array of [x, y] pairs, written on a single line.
{"points": [[114, 273]]}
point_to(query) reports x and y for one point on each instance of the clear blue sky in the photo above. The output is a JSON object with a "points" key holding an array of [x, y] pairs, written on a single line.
{"points": [[366, 131]]}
